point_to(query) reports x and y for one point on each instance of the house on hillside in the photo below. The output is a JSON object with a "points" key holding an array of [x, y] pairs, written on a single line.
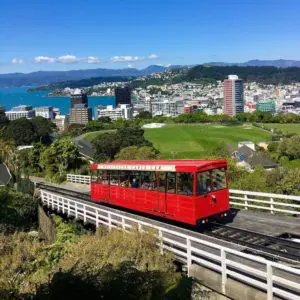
{"points": [[5, 176], [250, 158]]}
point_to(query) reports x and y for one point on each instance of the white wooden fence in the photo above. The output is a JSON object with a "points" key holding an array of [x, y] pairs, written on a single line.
{"points": [[274, 278], [241, 199], [83, 179]]}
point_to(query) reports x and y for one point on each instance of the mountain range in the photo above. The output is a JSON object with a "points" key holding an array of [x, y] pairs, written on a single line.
{"points": [[279, 63], [47, 77]]}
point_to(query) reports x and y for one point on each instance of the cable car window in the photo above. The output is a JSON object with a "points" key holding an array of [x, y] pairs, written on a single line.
{"points": [[148, 181], [134, 179], [162, 182], [124, 178], [203, 183], [219, 179], [105, 177], [185, 184], [171, 180], [114, 177], [95, 176]]}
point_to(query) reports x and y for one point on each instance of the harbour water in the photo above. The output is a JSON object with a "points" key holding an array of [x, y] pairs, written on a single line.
{"points": [[10, 97]]}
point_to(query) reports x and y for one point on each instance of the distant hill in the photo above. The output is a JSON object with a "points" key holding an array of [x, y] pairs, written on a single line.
{"points": [[261, 74], [47, 77], [279, 63]]}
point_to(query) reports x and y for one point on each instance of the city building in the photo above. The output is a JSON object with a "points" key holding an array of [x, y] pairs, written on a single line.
{"points": [[188, 109], [166, 107], [79, 99], [80, 114], [45, 112], [61, 122], [269, 106], [21, 111], [233, 95], [123, 95], [123, 111]]}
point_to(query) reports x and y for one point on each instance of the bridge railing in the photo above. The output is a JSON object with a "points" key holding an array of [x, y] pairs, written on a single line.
{"points": [[83, 179], [265, 201], [240, 199], [274, 278]]}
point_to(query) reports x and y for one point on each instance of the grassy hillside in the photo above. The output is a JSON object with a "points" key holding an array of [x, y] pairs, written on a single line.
{"points": [[285, 128], [196, 141]]}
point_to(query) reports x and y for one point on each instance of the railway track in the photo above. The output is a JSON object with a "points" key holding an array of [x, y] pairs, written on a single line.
{"points": [[270, 247], [279, 248]]}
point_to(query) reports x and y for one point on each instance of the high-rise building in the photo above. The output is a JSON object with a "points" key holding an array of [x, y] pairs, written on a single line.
{"points": [[123, 95], [21, 111], [80, 114], [233, 95], [79, 99]]}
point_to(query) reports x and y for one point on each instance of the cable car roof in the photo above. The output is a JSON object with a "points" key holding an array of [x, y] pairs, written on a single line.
{"points": [[161, 165]]}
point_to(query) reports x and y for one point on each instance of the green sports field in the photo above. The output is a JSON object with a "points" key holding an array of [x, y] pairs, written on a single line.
{"points": [[196, 141], [285, 128]]}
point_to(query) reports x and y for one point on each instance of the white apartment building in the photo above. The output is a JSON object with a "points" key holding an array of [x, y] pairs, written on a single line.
{"points": [[61, 122], [124, 111], [45, 112], [21, 111], [168, 108]]}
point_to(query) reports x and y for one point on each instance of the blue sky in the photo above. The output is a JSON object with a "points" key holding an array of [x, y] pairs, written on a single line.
{"points": [[80, 34]]}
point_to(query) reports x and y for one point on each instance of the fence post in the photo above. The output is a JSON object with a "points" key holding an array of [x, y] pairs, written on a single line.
{"points": [[161, 241], [269, 282], [109, 221], [76, 210], [69, 208], [123, 224], [188, 256], [97, 220], [246, 202], [272, 205], [224, 273]]}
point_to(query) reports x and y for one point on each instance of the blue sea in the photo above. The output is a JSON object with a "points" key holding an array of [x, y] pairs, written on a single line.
{"points": [[10, 97]]}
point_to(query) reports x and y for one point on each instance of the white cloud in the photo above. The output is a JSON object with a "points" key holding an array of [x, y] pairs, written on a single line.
{"points": [[67, 59], [130, 65], [127, 58], [44, 59], [17, 61], [92, 60], [153, 56]]}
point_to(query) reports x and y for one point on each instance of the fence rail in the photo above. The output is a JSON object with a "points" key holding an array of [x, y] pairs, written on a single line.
{"points": [[241, 199], [83, 179], [274, 278]]}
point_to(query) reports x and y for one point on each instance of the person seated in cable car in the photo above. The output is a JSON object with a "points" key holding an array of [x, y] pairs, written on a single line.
{"points": [[134, 183]]}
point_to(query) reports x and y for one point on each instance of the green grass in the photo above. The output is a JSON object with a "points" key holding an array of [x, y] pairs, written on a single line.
{"points": [[92, 135], [197, 141], [285, 128], [292, 164]]}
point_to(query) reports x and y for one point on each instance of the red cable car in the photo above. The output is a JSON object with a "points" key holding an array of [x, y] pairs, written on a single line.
{"points": [[189, 191]]}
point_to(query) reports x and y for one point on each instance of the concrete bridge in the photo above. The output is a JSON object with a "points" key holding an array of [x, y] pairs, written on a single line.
{"points": [[223, 266]]}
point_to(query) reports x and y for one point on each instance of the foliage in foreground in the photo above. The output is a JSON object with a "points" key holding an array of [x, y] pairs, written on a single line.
{"points": [[104, 265], [17, 211]]}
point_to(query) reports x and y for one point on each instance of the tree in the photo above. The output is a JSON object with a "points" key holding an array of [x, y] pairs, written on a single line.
{"points": [[61, 156], [132, 136], [43, 128], [144, 115], [135, 153], [106, 146], [21, 131], [104, 119]]}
